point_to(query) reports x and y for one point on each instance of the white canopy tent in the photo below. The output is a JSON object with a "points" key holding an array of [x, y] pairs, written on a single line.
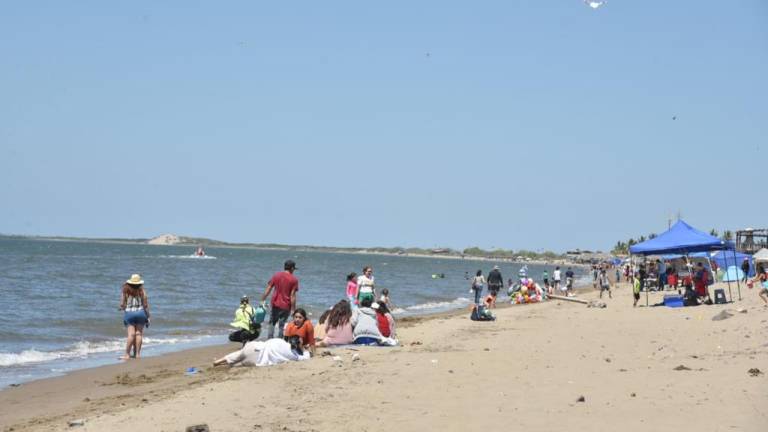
{"points": [[761, 256]]}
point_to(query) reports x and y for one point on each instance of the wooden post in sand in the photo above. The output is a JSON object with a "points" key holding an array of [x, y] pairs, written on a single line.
{"points": [[570, 299]]}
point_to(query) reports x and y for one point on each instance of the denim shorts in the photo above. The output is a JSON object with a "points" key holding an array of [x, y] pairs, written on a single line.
{"points": [[138, 317]]}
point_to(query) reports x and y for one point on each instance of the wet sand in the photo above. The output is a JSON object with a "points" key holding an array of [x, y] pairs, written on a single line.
{"points": [[643, 369]]}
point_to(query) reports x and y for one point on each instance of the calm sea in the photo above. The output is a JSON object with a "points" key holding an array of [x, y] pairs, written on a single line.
{"points": [[59, 299]]}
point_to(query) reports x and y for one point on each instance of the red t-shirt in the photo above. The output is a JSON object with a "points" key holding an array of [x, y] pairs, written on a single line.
{"points": [[383, 324], [283, 285]]}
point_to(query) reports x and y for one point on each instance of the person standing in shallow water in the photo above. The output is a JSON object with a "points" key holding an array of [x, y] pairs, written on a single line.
{"points": [[133, 300], [495, 282], [283, 302], [477, 286]]}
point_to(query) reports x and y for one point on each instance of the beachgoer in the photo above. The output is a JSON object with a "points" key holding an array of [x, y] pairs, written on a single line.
{"points": [[761, 277], [477, 285], [365, 329], [618, 276], [283, 302], [365, 285], [605, 284], [545, 279], [700, 280], [636, 290], [556, 278], [133, 300], [384, 298], [246, 330], [381, 319], [302, 327], [352, 288], [322, 326], [266, 353], [745, 269], [594, 275], [338, 328], [642, 275], [495, 282], [661, 267], [384, 309], [569, 282]]}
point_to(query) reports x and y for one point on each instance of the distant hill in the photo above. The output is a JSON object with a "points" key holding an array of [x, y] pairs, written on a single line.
{"points": [[176, 240]]}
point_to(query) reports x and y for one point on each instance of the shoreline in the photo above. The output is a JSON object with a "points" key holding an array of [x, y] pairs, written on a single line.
{"points": [[590, 340], [540, 356], [104, 359]]}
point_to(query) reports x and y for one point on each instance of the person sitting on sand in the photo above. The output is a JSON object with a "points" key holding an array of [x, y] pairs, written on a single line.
{"points": [[365, 329], [133, 300], [700, 279], [384, 320], [266, 353], [321, 326], [381, 320], [338, 328], [302, 327]]}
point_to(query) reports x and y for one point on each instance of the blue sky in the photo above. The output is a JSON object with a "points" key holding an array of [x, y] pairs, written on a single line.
{"points": [[515, 124]]}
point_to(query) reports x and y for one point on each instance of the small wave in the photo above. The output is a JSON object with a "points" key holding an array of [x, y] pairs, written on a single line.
{"points": [[79, 350], [443, 305], [194, 257]]}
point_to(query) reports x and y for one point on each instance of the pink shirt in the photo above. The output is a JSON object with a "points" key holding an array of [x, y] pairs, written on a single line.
{"points": [[341, 335], [352, 289]]}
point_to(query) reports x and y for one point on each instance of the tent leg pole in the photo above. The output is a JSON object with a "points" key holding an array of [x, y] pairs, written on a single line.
{"points": [[738, 282], [727, 279]]}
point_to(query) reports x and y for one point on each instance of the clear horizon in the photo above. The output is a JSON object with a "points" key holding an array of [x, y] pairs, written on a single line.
{"points": [[514, 125]]}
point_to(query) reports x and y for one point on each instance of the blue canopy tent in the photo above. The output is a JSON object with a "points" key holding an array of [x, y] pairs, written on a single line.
{"points": [[681, 238]]}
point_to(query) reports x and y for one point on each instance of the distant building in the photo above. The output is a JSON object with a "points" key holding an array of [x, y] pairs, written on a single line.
{"points": [[751, 240]]}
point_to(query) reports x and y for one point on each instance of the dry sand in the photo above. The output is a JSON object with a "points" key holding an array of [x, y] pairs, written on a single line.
{"points": [[643, 369]]}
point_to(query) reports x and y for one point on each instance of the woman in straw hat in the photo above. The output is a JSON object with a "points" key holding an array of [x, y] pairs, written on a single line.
{"points": [[133, 301]]}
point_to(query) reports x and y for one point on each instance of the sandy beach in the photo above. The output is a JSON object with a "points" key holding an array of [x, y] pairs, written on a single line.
{"points": [[644, 369]]}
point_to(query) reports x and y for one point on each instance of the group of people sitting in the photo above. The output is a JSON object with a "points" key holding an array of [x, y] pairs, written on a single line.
{"points": [[370, 323]]}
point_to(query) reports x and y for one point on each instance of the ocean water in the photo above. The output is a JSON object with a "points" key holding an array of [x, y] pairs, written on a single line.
{"points": [[59, 299]]}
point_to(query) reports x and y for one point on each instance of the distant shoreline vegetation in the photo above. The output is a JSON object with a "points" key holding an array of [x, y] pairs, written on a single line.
{"points": [[472, 252]]}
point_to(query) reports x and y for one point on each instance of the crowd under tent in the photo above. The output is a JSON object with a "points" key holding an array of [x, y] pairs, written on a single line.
{"points": [[681, 239]]}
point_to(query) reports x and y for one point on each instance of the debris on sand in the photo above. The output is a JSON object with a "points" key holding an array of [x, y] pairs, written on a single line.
{"points": [[754, 372], [78, 422], [198, 428], [683, 368], [722, 315], [581, 399]]}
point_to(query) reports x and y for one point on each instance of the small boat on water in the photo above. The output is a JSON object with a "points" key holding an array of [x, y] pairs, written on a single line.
{"points": [[200, 252]]}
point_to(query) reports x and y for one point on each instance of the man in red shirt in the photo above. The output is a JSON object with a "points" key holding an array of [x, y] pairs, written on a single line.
{"points": [[283, 302]]}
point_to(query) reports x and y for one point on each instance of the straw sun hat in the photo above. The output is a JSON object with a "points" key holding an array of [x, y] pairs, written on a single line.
{"points": [[135, 280]]}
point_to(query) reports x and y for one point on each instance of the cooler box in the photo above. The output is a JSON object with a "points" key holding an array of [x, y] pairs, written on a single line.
{"points": [[673, 301]]}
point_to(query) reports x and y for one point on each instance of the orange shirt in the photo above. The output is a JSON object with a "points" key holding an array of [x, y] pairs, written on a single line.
{"points": [[306, 332]]}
